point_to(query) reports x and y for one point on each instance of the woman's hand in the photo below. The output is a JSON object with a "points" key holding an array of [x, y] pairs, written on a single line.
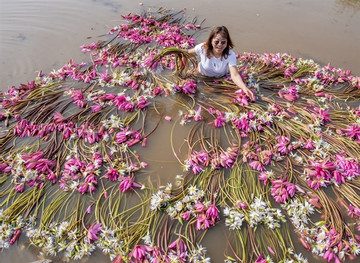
{"points": [[236, 78], [249, 93], [191, 52]]}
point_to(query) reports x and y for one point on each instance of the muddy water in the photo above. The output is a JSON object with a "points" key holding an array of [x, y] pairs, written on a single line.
{"points": [[43, 35]]}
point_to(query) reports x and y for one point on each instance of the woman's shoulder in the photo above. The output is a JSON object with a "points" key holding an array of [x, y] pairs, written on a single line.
{"points": [[199, 48], [200, 45], [232, 53]]}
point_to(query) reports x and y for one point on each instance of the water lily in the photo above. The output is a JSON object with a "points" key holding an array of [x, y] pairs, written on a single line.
{"points": [[92, 233]]}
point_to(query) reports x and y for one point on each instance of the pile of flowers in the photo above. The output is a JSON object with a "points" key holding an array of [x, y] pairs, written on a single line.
{"points": [[191, 207], [73, 177], [258, 212]]}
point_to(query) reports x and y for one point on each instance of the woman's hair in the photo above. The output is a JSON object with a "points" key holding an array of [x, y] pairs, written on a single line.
{"points": [[222, 30]]}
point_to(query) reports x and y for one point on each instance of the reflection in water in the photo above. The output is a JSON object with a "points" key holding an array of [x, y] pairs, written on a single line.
{"points": [[90, 148]]}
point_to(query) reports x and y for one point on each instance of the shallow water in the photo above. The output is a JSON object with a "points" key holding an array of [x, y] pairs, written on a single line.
{"points": [[43, 35]]}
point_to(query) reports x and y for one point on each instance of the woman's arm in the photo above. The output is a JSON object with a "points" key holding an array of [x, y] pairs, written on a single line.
{"points": [[236, 78], [191, 51]]}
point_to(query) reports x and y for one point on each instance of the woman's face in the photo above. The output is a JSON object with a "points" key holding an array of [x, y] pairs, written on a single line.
{"points": [[219, 43]]}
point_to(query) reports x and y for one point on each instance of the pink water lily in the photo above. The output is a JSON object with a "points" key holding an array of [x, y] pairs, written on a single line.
{"points": [[353, 132], [241, 98], [219, 120], [322, 115], [78, 98], [128, 183], [112, 174], [92, 233], [212, 212], [283, 146], [282, 190], [260, 259], [15, 237], [139, 252]]}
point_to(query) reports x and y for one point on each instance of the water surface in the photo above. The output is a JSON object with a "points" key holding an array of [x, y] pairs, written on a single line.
{"points": [[43, 35]]}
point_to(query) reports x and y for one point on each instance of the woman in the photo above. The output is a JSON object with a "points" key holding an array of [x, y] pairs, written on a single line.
{"points": [[217, 58]]}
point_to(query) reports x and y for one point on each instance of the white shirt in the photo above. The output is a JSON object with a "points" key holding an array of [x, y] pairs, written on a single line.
{"points": [[214, 67]]}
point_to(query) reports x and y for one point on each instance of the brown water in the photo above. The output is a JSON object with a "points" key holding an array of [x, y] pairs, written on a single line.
{"points": [[43, 35]]}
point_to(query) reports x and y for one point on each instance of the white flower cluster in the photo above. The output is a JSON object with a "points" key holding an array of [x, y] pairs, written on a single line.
{"points": [[109, 243], [257, 213], [299, 212], [120, 78], [160, 200], [260, 213], [301, 62], [234, 219], [6, 232], [198, 255], [7, 228], [114, 121], [57, 237], [187, 202]]}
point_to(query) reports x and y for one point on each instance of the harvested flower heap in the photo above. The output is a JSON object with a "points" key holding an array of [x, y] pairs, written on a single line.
{"points": [[72, 178]]}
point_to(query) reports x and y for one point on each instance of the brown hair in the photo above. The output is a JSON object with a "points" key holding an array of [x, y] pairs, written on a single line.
{"points": [[222, 30]]}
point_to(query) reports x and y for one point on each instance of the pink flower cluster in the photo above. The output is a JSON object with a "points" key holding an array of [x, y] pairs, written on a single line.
{"points": [[321, 174], [149, 61], [346, 168], [14, 94], [289, 93], [194, 114], [242, 123], [84, 175], [241, 98], [290, 70], [149, 30], [206, 216], [283, 145], [177, 250], [256, 157], [171, 35], [71, 69], [165, 34], [127, 183], [337, 247], [322, 116], [125, 103], [282, 190], [92, 233], [78, 98], [85, 131], [187, 86], [334, 76], [219, 118], [353, 132], [31, 170], [248, 121], [129, 137], [198, 161]]}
